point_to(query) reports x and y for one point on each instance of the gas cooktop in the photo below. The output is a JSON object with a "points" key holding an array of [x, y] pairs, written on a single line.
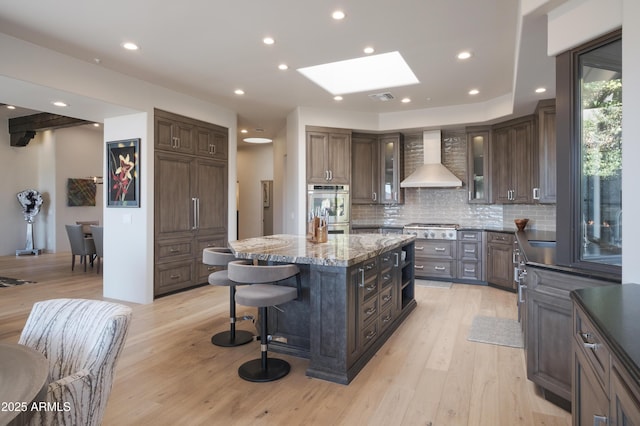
{"points": [[432, 231]]}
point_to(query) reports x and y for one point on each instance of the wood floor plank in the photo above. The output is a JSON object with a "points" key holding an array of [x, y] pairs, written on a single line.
{"points": [[169, 373]]}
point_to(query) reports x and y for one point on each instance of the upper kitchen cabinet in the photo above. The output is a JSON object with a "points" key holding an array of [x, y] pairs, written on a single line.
{"points": [[391, 150], [328, 155], [376, 168], [172, 134], [478, 175], [512, 161], [365, 177], [211, 141], [544, 190]]}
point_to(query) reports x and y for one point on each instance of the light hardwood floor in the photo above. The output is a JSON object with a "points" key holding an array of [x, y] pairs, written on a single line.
{"points": [[428, 373]]}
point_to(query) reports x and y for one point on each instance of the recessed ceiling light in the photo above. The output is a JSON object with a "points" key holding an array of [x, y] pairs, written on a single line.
{"points": [[257, 140], [130, 46], [11, 107], [337, 98], [268, 40], [405, 100], [474, 91], [239, 92], [244, 131], [338, 15], [96, 124], [283, 67], [369, 50], [464, 55], [59, 104], [362, 74], [541, 90]]}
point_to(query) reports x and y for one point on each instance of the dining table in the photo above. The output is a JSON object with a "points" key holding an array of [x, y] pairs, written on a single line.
{"points": [[23, 382]]}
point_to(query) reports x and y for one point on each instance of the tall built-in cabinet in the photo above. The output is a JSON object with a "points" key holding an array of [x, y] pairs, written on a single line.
{"points": [[544, 190], [190, 192], [376, 168], [478, 172], [328, 155]]}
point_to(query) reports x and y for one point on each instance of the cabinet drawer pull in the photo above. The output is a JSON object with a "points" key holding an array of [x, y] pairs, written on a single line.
{"points": [[586, 343], [419, 248], [386, 298], [386, 319], [419, 266], [371, 335], [470, 270], [175, 277], [370, 266], [386, 277], [370, 288], [469, 237], [211, 268], [174, 250], [439, 268], [440, 249], [469, 250], [370, 311]]}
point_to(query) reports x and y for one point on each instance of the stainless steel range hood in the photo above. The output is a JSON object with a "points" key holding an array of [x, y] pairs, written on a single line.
{"points": [[431, 174]]}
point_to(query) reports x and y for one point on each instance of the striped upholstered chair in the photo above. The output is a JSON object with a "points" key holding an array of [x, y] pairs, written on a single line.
{"points": [[82, 340]]}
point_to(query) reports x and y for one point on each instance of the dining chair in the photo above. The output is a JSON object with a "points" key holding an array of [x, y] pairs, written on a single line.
{"points": [[98, 234], [82, 341], [80, 246]]}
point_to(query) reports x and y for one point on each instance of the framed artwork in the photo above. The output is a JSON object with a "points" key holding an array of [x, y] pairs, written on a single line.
{"points": [[266, 193], [123, 173]]}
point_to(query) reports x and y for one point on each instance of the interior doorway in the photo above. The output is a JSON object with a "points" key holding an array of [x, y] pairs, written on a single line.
{"points": [[267, 207]]}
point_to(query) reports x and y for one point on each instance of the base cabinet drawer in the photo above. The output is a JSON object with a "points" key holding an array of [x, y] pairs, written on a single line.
{"points": [[173, 276], [434, 268], [469, 270]]}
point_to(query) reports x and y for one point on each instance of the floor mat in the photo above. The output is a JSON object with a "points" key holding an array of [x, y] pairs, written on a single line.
{"points": [[496, 331], [12, 282]]}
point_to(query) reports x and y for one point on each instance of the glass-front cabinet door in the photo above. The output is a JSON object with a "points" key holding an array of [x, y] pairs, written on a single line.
{"points": [[599, 127], [391, 162], [478, 165]]}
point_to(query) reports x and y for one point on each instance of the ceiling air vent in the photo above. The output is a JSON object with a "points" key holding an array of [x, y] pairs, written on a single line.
{"points": [[386, 96]]}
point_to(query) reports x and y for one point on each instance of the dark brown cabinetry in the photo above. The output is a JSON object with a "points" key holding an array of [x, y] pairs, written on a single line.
{"points": [[376, 168], [544, 190], [603, 389], [190, 204], [500, 259], [512, 161], [549, 331], [470, 256], [435, 259], [328, 155]]}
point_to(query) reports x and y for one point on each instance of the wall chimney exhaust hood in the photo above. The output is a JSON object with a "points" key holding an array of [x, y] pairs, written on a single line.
{"points": [[431, 174]]}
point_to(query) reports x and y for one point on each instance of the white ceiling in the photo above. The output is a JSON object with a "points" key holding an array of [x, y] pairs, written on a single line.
{"points": [[210, 48]]}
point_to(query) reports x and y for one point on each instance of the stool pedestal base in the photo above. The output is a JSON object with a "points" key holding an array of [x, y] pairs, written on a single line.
{"points": [[228, 339], [253, 370]]}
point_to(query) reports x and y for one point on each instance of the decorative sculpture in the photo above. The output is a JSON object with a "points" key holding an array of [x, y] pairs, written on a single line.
{"points": [[30, 200]]}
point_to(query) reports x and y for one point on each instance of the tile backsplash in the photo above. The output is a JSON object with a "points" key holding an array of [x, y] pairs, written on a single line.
{"points": [[444, 205]]}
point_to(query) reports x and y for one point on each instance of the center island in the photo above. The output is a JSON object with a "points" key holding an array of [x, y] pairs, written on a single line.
{"points": [[356, 291]]}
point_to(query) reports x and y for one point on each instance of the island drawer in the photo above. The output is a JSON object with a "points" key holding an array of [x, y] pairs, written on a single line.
{"points": [[369, 333], [369, 310], [386, 318], [386, 298]]}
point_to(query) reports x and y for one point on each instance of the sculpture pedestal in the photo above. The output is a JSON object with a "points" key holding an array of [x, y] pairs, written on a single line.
{"points": [[29, 248]]}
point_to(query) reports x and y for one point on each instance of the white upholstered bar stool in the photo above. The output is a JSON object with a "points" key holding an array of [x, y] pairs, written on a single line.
{"points": [[221, 256], [262, 295]]}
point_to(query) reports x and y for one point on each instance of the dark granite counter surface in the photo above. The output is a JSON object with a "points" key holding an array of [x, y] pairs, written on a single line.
{"points": [[614, 311]]}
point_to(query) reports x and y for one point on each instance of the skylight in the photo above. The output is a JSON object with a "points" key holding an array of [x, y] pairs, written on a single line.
{"points": [[362, 74]]}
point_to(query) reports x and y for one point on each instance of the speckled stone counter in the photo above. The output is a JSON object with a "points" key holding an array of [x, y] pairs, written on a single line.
{"points": [[340, 250], [356, 291]]}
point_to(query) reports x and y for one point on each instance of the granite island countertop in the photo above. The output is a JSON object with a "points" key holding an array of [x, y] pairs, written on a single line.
{"points": [[340, 250]]}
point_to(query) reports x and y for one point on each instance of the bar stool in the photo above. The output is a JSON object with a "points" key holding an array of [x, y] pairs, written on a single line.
{"points": [[261, 296], [221, 256]]}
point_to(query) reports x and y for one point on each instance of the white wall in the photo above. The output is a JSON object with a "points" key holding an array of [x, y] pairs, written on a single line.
{"points": [[255, 164], [18, 171]]}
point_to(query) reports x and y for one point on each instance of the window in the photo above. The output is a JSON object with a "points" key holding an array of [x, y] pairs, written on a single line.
{"points": [[589, 130]]}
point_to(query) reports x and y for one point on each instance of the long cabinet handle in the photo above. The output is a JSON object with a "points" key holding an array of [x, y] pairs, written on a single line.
{"points": [[397, 262], [361, 270], [536, 193], [194, 204], [375, 196]]}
